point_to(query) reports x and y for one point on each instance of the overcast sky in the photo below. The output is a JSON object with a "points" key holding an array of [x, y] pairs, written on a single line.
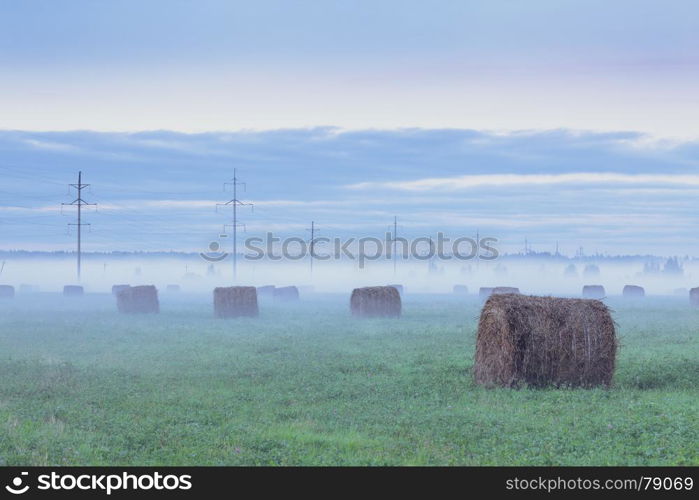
{"points": [[570, 121]]}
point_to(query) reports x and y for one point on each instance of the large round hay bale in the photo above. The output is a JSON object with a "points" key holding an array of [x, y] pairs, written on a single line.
{"points": [[593, 292], [73, 291], [138, 300], [540, 341], [460, 289], [484, 292], [265, 291], [118, 288], [286, 293], [7, 291], [694, 297], [235, 301], [400, 289], [375, 301], [633, 291], [504, 289]]}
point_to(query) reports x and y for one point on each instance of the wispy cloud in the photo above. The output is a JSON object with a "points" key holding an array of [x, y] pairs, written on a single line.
{"points": [[475, 181]]}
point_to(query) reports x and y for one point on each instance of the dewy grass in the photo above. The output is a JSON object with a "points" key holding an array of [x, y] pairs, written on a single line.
{"points": [[308, 384]]}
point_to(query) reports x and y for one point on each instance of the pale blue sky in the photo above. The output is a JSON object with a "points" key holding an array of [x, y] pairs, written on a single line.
{"points": [[559, 120], [223, 65]]}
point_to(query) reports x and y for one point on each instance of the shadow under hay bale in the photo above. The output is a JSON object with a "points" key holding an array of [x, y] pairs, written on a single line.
{"points": [[400, 288], [504, 289], [544, 341], [118, 288], [138, 300], [461, 289], [633, 291], [593, 292], [375, 301], [73, 291], [484, 292], [694, 297], [173, 288], [235, 301], [265, 291], [7, 291], [286, 294]]}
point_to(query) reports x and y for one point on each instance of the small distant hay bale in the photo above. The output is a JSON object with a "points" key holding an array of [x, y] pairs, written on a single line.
{"points": [[594, 292], [633, 291], [73, 291], [498, 290], [694, 297], [375, 301], [484, 292], [7, 291], [591, 270], [400, 289], [118, 288], [235, 301], [265, 291], [460, 289], [286, 294], [544, 341], [138, 300], [173, 288]]}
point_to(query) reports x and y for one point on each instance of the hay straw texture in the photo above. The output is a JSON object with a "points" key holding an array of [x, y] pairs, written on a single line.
{"points": [[504, 289], [541, 341], [375, 301], [633, 291], [286, 293], [73, 290], [138, 300], [118, 288], [235, 301], [694, 297], [7, 291], [461, 289], [594, 292], [484, 292]]}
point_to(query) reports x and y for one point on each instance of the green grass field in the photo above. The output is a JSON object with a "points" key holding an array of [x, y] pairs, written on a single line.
{"points": [[306, 384]]}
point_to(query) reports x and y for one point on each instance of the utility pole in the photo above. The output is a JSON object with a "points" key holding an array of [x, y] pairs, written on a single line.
{"points": [[235, 202], [79, 202], [312, 243]]}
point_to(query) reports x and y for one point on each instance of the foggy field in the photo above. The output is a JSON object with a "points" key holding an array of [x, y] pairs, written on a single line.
{"points": [[307, 384]]}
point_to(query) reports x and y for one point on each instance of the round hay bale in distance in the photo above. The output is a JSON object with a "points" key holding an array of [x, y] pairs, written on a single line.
{"points": [[7, 291], [265, 291], [173, 288], [484, 292], [235, 301], [286, 293], [694, 297], [593, 292], [73, 291], [461, 289], [504, 289], [541, 341], [118, 288], [138, 300], [633, 291], [375, 301]]}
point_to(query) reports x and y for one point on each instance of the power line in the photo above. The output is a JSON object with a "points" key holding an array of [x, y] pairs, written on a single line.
{"points": [[79, 202], [235, 203]]}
